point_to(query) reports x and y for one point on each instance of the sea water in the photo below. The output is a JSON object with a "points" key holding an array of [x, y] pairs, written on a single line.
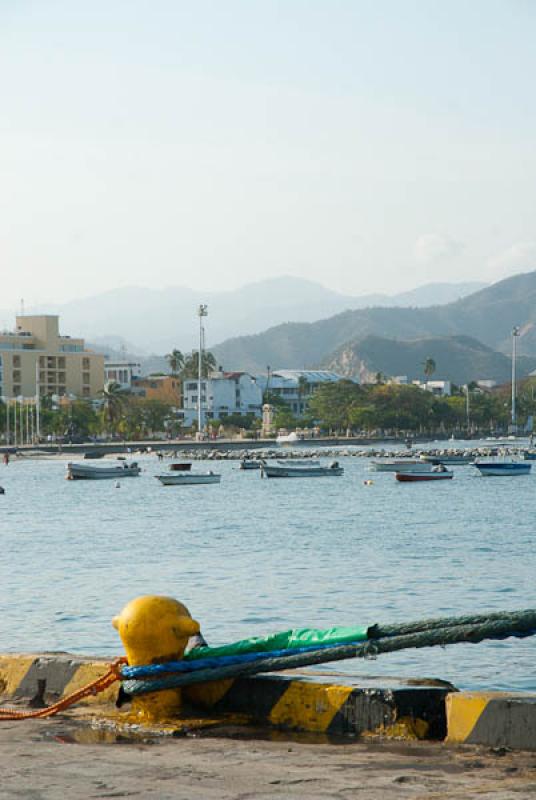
{"points": [[251, 556]]}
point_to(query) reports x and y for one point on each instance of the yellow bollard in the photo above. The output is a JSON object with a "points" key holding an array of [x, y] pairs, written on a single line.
{"points": [[154, 630]]}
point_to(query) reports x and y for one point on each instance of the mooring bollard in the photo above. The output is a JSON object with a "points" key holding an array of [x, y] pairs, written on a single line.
{"points": [[155, 630]]}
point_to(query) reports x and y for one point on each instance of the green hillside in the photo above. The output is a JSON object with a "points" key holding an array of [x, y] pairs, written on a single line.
{"points": [[459, 359], [487, 315]]}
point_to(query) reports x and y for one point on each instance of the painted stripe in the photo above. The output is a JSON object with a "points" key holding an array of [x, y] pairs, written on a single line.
{"points": [[309, 706], [86, 673], [13, 669], [496, 719]]}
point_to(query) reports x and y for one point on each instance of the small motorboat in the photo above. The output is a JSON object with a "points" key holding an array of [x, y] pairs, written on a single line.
{"points": [[189, 479], [180, 466], [433, 474], [453, 460], [273, 471], [250, 463], [399, 465], [298, 462], [77, 472], [503, 467]]}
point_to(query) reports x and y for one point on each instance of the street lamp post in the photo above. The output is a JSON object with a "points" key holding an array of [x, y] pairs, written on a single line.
{"points": [[202, 311], [515, 334]]}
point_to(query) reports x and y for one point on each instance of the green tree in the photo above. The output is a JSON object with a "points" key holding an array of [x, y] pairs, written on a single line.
{"points": [[333, 404], [113, 397], [190, 369], [429, 367], [175, 360]]}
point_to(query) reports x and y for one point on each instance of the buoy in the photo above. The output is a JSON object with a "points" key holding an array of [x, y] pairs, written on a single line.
{"points": [[368, 483]]}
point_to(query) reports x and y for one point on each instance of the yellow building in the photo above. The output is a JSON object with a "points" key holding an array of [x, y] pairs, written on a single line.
{"points": [[166, 388], [35, 354]]}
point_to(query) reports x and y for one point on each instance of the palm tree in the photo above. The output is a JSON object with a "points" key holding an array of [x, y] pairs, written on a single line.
{"points": [[175, 360], [190, 368], [113, 397], [429, 367]]}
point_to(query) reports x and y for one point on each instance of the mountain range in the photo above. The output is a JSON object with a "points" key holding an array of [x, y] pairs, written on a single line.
{"points": [[143, 320], [485, 318]]}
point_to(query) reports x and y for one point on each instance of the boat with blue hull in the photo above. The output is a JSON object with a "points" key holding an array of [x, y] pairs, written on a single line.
{"points": [[498, 468]]}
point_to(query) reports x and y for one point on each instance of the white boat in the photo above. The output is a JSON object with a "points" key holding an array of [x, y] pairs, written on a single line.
{"points": [[399, 465], [79, 472], [250, 463], [298, 462], [503, 467], [189, 478], [455, 460], [273, 471], [289, 438]]}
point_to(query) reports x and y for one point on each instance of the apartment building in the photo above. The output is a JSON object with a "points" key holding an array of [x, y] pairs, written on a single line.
{"points": [[122, 372], [36, 355], [223, 393]]}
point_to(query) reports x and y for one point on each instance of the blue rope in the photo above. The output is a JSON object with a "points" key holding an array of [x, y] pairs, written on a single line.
{"points": [[148, 670]]}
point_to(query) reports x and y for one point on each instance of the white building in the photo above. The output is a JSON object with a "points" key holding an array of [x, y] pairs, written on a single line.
{"points": [[223, 393], [295, 386], [121, 372], [438, 388]]}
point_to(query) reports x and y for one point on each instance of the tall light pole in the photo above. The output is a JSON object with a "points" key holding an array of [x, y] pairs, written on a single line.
{"points": [[515, 334], [202, 311], [37, 401]]}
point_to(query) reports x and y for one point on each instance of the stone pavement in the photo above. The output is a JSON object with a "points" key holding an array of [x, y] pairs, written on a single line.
{"points": [[64, 758]]}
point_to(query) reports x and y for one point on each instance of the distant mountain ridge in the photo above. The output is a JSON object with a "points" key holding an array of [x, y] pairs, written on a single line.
{"points": [[487, 316], [156, 320]]}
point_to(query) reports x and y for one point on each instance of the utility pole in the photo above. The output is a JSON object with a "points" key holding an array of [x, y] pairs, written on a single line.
{"points": [[202, 311], [515, 334], [37, 402]]}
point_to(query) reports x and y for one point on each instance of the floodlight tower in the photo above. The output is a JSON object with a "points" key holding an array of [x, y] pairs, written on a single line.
{"points": [[515, 334], [202, 311]]}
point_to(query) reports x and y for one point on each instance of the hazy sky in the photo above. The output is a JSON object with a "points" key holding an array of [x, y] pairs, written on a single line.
{"points": [[367, 145]]}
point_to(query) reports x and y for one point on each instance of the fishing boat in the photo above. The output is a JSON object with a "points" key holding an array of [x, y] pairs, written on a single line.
{"points": [[503, 467], [278, 471], [189, 479], [399, 465], [183, 466], [424, 475], [454, 460], [78, 472], [250, 463], [299, 462]]}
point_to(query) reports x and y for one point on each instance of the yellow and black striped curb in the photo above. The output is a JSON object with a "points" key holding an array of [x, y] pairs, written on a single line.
{"points": [[312, 703], [496, 719]]}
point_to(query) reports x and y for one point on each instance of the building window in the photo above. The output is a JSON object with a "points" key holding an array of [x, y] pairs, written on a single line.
{"points": [[61, 362], [51, 377], [85, 363], [61, 377], [16, 361], [51, 362], [16, 390], [42, 361], [16, 375], [85, 377], [85, 391]]}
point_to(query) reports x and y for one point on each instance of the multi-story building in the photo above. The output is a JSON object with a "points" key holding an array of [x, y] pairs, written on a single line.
{"points": [[35, 357], [122, 372], [295, 386], [165, 388], [222, 393]]}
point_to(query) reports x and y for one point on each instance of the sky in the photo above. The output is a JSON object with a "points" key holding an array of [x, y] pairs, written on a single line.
{"points": [[368, 145]]}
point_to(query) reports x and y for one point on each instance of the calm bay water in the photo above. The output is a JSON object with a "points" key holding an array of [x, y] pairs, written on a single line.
{"points": [[252, 556]]}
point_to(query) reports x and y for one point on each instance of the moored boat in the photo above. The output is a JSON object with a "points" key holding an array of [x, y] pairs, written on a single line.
{"points": [[299, 462], [498, 468], [399, 465], [77, 472], [278, 471], [454, 460], [250, 463], [183, 466], [189, 478], [424, 475]]}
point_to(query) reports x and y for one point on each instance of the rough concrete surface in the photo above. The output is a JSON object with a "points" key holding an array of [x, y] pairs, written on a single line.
{"points": [[59, 758]]}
